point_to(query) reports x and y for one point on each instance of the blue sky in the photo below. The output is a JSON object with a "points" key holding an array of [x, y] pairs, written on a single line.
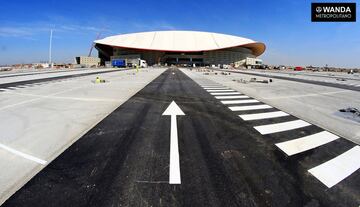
{"points": [[283, 25]]}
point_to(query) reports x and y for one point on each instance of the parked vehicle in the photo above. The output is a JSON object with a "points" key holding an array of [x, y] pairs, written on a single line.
{"points": [[282, 67], [253, 62], [119, 63], [142, 63]]}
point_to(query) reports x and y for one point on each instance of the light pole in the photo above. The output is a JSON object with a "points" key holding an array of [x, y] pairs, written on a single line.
{"points": [[50, 64]]}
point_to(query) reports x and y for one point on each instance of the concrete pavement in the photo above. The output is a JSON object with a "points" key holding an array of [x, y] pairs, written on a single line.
{"points": [[40, 120]]}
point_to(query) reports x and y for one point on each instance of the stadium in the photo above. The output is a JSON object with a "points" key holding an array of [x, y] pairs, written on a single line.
{"points": [[179, 48]]}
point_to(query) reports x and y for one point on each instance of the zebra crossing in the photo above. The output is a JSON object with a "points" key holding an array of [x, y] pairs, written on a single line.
{"points": [[231, 97], [280, 127], [302, 144], [225, 93], [11, 88], [220, 90], [240, 101], [333, 171], [29, 85], [275, 124], [266, 115], [250, 107]]}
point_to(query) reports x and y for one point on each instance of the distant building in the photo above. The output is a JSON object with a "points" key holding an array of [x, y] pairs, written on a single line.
{"points": [[41, 65], [180, 47], [87, 61]]}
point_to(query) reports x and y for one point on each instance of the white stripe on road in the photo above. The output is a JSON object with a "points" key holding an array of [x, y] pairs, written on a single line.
{"points": [[230, 97], [335, 170], [252, 107], [225, 93], [215, 88], [306, 143], [266, 115], [210, 85], [174, 171], [218, 86], [280, 127], [21, 154], [240, 101], [220, 90]]}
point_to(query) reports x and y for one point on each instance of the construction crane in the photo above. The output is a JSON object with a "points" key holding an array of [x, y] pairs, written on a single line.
{"points": [[93, 44]]}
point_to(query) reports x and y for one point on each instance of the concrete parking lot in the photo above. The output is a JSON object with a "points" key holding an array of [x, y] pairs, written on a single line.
{"points": [[40, 120]]}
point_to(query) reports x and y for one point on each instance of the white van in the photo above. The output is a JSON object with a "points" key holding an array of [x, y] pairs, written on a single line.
{"points": [[142, 63]]}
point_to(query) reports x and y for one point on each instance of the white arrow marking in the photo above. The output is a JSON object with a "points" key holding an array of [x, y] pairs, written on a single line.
{"points": [[173, 110]]}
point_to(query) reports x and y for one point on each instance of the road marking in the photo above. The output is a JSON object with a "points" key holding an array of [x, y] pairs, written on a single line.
{"points": [[280, 127], [296, 146], [231, 97], [335, 170], [211, 86], [173, 110], [220, 90], [266, 115], [21, 154], [240, 101], [215, 88], [43, 97], [252, 107], [225, 93]]}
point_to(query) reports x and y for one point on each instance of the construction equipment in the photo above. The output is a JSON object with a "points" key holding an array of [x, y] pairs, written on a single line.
{"points": [[93, 44]]}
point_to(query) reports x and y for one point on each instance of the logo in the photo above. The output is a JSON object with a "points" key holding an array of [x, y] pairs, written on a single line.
{"points": [[318, 9], [333, 12]]}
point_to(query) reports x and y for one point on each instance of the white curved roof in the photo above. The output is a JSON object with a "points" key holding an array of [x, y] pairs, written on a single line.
{"points": [[181, 41]]}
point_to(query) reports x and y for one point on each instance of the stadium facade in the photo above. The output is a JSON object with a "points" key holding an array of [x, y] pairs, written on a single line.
{"points": [[179, 47]]}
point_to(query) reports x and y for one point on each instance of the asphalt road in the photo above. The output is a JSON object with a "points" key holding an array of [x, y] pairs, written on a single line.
{"points": [[224, 161]]}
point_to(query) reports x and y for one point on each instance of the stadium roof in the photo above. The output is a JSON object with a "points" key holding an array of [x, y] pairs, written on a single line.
{"points": [[181, 41]]}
